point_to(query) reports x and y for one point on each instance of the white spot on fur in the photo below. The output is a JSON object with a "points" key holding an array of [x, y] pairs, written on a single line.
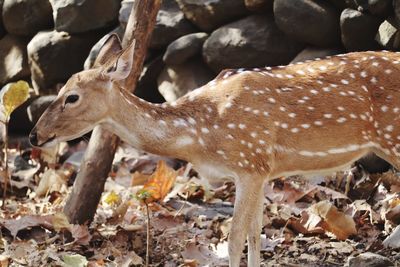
{"points": [[184, 141]]}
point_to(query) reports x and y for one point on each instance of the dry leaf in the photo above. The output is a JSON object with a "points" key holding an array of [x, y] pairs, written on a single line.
{"points": [[13, 95], [129, 260], [81, 234], [60, 221], [139, 178], [159, 184], [393, 214], [50, 181], [334, 221], [15, 225], [74, 260], [4, 261]]}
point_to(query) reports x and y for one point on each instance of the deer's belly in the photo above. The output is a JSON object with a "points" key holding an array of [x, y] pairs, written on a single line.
{"points": [[213, 172], [303, 165]]}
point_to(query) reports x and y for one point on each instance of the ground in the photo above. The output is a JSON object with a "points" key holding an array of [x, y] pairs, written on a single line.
{"points": [[308, 222]]}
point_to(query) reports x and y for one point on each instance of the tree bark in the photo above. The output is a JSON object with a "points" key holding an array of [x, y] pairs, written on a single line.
{"points": [[96, 164]]}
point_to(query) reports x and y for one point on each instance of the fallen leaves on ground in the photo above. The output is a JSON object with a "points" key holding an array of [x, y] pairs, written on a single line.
{"points": [[306, 222]]}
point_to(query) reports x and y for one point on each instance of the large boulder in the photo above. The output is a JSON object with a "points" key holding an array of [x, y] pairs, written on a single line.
{"points": [[119, 31], [2, 29], [184, 48], [54, 56], [312, 52], [308, 21], [175, 81], [13, 58], [259, 5], [373, 164], [26, 17], [19, 121], [170, 23], [380, 7], [358, 30], [75, 16], [250, 42], [396, 7], [388, 34], [147, 87], [342, 4], [124, 12], [210, 14]]}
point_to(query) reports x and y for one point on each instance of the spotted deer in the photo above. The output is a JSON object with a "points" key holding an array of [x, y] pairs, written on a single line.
{"points": [[250, 125]]}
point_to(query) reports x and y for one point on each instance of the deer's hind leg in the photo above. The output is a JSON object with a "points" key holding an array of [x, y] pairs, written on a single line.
{"points": [[246, 221], [253, 237]]}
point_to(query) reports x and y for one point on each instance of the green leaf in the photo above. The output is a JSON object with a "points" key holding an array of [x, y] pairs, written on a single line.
{"points": [[74, 260], [13, 95]]}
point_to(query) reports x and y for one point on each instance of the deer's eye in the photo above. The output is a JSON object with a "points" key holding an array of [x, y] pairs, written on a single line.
{"points": [[71, 99]]}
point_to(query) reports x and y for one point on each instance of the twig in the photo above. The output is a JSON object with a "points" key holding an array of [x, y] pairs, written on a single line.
{"points": [[181, 208], [147, 234], [6, 177]]}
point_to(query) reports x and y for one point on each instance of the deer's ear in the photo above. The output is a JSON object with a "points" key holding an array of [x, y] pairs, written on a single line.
{"points": [[122, 67], [111, 46]]}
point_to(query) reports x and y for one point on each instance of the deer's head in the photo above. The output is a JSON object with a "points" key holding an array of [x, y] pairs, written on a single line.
{"points": [[85, 99]]}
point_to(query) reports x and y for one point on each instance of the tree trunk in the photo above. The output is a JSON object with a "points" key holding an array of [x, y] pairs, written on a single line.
{"points": [[96, 164]]}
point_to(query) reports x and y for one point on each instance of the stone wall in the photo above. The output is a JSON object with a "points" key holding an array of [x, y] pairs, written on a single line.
{"points": [[45, 41]]}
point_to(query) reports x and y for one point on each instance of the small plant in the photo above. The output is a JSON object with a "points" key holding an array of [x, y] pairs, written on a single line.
{"points": [[155, 189], [12, 96]]}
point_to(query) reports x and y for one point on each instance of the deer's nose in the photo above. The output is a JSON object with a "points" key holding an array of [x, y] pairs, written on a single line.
{"points": [[33, 138]]}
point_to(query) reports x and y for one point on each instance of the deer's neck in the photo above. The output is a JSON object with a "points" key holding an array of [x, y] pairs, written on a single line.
{"points": [[145, 125]]}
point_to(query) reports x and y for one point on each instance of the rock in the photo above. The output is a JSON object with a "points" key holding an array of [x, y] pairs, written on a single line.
{"points": [[258, 5], [13, 58], [75, 16], [124, 12], [210, 14], [2, 29], [388, 34], [175, 81], [396, 7], [254, 41], [311, 52], [380, 7], [54, 56], [184, 48], [342, 4], [373, 164], [369, 259], [38, 106], [170, 24], [393, 240], [19, 121], [358, 30], [26, 17], [147, 87], [308, 21], [96, 48]]}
